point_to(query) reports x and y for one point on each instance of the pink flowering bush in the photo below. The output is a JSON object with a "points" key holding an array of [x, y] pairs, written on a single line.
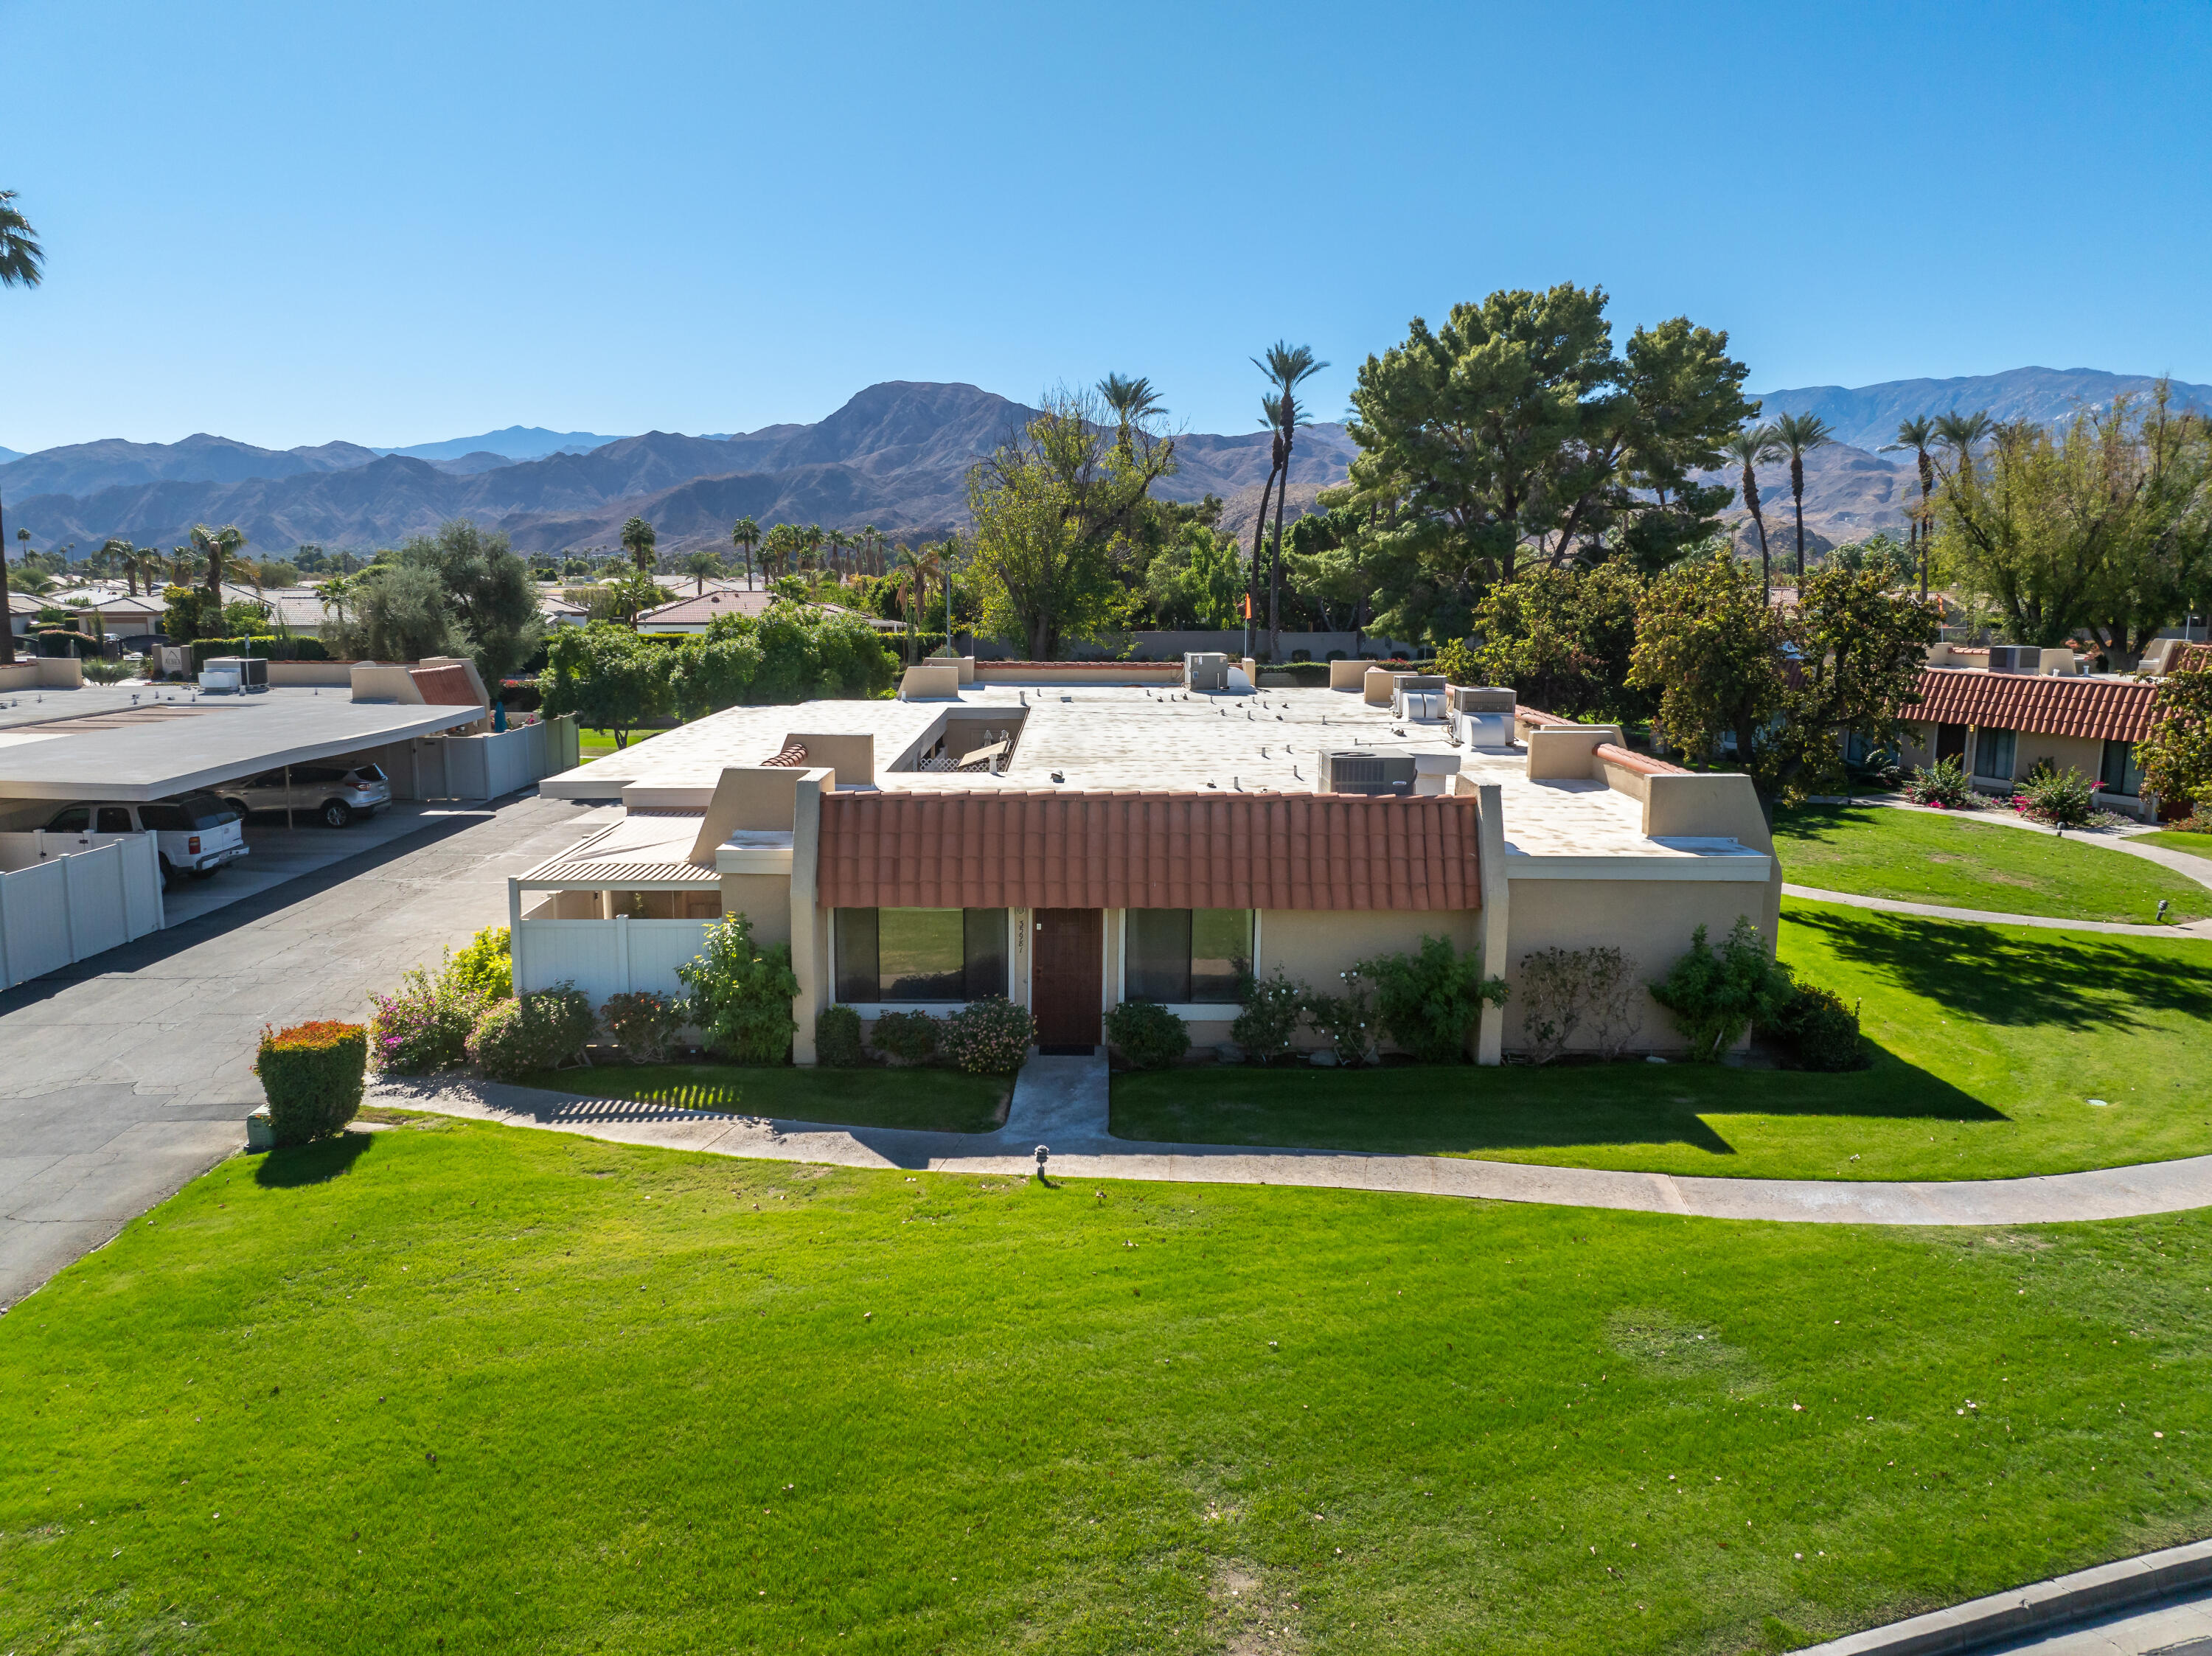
{"points": [[423, 1025], [1943, 786], [989, 1037], [2060, 799]]}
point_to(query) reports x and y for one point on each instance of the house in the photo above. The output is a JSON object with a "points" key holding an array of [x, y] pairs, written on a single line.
{"points": [[700, 611], [2002, 720], [1072, 835]]}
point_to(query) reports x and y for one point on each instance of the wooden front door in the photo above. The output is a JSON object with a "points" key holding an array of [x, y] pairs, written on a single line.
{"points": [[1067, 946]]}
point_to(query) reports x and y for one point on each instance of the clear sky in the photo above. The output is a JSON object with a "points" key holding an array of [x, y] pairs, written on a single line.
{"points": [[390, 223]]}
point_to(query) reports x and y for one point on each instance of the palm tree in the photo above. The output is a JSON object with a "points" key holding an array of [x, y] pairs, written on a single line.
{"points": [[1753, 447], [1131, 400], [746, 533], [337, 595], [23, 264], [810, 539], [1917, 435], [839, 540], [699, 565], [1286, 366], [873, 538], [637, 539], [1798, 435], [1959, 433], [221, 548]]}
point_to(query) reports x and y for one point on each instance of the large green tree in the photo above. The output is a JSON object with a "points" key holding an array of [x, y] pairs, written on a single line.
{"points": [[1708, 645], [1050, 509], [1858, 649], [1515, 432], [1564, 638], [488, 591], [607, 676]]}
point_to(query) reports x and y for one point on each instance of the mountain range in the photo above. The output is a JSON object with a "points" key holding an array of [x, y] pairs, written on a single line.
{"points": [[895, 455]]}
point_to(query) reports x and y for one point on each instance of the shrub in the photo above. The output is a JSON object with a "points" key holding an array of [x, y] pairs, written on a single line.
{"points": [[100, 670], [1715, 994], [1562, 989], [1147, 1036], [1269, 1022], [1943, 785], [312, 1074], [424, 1027], [837, 1038], [483, 968], [541, 1031], [2061, 798], [1349, 1019], [643, 1022], [1460, 662], [741, 994], [1816, 1023], [1428, 1000], [909, 1037], [989, 1037]]}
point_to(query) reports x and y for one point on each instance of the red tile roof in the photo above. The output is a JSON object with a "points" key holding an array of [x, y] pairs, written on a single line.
{"points": [[2043, 705], [1069, 850], [1642, 763]]}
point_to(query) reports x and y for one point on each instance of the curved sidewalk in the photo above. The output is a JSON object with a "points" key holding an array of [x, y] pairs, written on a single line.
{"points": [[1985, 917], [1061, 1103]]}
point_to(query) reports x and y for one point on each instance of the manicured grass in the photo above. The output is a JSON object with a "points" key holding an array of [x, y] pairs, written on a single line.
{"points": [[2196, 844], [598, 743], [1953, 861], [474, 1388], [1990, 1041], [934, 1101]]}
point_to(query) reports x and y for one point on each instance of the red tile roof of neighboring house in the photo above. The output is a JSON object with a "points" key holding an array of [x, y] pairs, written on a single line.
{"points": [[1642, 763], [1537, 718], [1070, 850], [2041, 705]]}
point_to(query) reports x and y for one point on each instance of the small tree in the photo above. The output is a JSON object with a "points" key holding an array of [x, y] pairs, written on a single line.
{"points": [[1710, 645], [637, 539], [741, 994], [607, 676], [2177, 756], [1715, 994], [1428, 1000]]}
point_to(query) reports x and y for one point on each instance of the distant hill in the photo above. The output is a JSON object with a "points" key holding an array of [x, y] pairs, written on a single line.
{"points": [[895, 455], [1867, 416], [515, 443]]}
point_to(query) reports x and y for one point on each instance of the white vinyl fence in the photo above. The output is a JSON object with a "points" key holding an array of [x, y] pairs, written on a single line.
{"points": [[479, 767], [605, 957], [60, 904]]}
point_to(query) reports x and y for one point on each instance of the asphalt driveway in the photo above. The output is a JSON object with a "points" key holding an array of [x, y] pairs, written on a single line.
{"points": [[125, 1075]]}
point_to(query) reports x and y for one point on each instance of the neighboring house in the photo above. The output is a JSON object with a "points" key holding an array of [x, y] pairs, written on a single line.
{"points": [[2001, 723], [699, 612], [1072, 835]]}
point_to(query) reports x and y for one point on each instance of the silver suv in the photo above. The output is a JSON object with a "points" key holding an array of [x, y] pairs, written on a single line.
{"points": [[337, 793]]}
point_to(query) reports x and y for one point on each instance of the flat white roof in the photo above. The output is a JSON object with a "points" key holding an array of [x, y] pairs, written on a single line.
{"points": [[169, 741]]}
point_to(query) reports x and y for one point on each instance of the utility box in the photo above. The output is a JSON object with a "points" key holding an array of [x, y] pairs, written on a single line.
{"points": [[1205, 670], [1366, 772], [1481, 699], [241, 673]]}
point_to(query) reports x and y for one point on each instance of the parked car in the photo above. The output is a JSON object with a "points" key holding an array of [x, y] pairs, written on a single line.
{"points": [[337, 793], [195, 834]]}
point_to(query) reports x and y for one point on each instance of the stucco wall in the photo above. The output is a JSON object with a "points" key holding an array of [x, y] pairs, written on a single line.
{"points": [[1651, 921], [765, 899]]}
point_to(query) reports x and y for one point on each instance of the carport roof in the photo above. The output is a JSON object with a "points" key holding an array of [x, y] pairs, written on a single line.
{"points": [[94, 743]]}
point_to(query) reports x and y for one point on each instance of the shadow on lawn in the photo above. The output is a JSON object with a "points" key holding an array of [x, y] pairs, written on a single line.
{"points": [[2067, 979], [312, 1164]]}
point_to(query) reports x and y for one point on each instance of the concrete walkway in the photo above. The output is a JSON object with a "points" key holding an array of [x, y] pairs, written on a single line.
{"points": [[1061, 1103], [1984, 917]]}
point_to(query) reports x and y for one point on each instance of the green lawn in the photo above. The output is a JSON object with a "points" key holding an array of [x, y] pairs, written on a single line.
{"points": [[1920, 857], [934, 1101], [469, 1388], [598, 743], [1990, 1042], [2196, 844]]}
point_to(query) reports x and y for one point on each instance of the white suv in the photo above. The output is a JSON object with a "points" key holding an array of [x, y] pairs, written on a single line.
{"points": [[337, 793], [195, 834]]}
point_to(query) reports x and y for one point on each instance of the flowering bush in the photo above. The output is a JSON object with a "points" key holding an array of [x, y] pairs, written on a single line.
{"points": [[989, 1037], [538, 1032], [2060, 798], [312, 1074], [1269, 1022], [1349, 1019], [1943, 785], [424, 1027], [1146, 1035], [641, 1023], [909, 1037]]}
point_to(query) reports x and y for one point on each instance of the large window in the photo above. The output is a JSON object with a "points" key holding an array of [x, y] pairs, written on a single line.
{"points": [[2119, 775], [921, 954], [1993, 753], [1184, 956]]}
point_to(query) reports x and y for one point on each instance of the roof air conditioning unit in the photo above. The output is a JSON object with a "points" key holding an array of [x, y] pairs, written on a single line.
{"points": [[241, 673], [1205, 670], [1481, 699], [1485, 729], [2014, 659], [1365, 773]]}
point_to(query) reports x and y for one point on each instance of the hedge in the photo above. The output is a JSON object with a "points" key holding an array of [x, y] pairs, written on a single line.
{"points": [[311, 1075], [268, 646]]}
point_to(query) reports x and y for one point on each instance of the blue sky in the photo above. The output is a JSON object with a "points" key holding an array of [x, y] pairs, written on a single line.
{"points": [[288, 223]]}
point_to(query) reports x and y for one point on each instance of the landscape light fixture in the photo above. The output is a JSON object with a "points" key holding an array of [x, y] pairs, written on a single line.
{"points": [[1043, 1156]]}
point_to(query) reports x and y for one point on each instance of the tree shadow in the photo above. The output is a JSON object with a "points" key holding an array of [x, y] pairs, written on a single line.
{"points": [[2069, 980], [294, 1165]]}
